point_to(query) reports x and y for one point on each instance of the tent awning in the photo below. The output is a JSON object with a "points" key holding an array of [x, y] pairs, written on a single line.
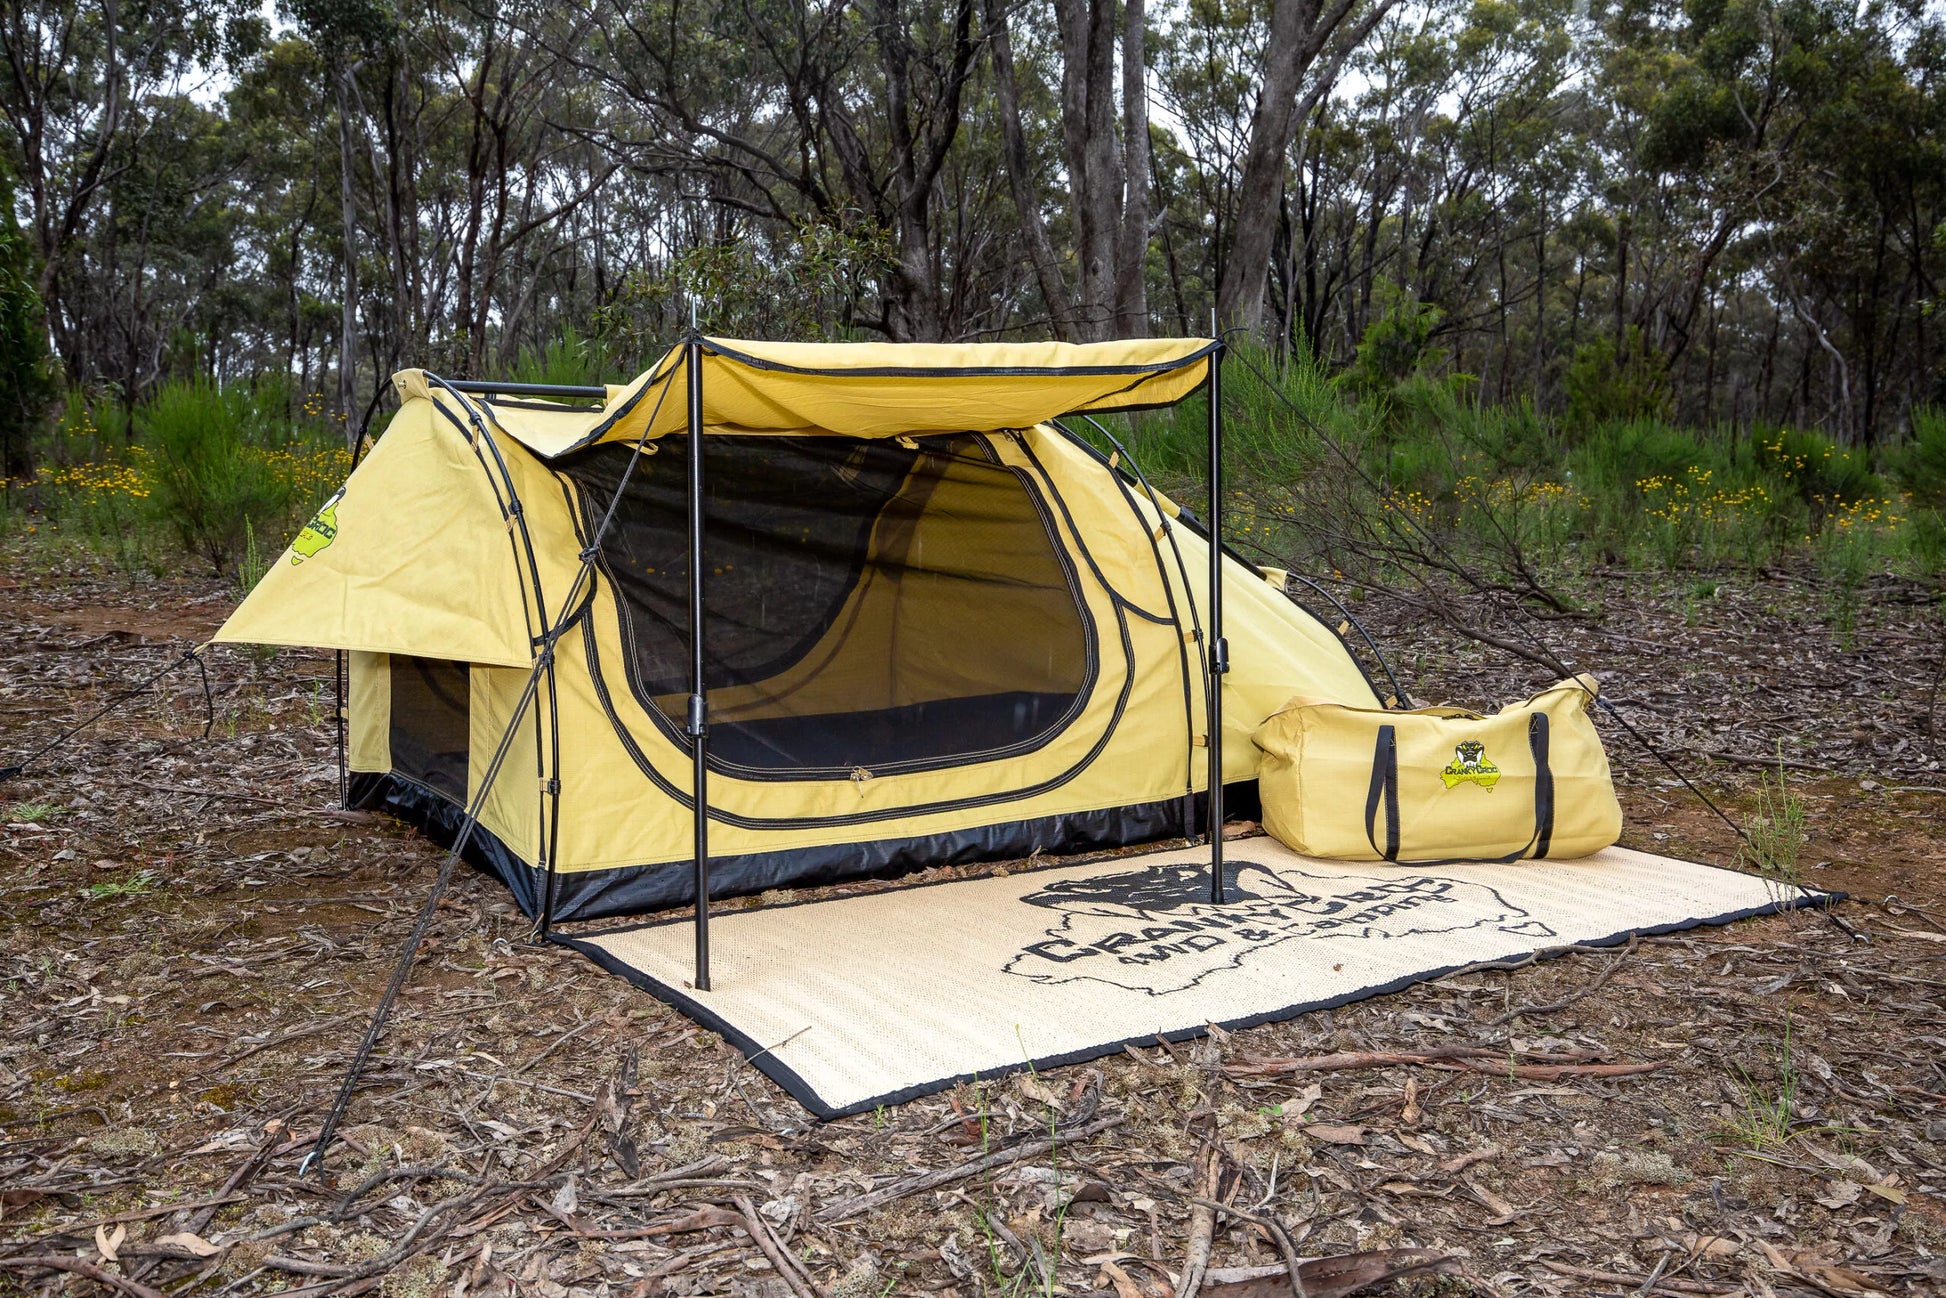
{"points": [[862, 389]]}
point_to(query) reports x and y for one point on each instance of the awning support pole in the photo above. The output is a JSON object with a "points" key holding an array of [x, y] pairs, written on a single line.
{"points": [[698, 701], [1219, 654], [344, 769]]}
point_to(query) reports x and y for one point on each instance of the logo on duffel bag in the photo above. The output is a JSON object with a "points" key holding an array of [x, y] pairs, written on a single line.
{"points": [[1470, 763]]}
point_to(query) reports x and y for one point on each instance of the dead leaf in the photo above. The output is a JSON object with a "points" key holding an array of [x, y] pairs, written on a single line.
{"points": [[1033, 1088], [1336, 1134], [1832, 1278], [1124, 1287], [1841, 1194], [1300, 1104], [1337, 1277], [1454, 1166], [1708, 1246], [191, 1242], [1887, 1191], [109, 1245], [1913, 932], [566, 1200], [1502, 1210]]}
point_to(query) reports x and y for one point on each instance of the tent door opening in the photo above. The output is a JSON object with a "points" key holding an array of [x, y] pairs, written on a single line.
{"points": [[875, 607]]}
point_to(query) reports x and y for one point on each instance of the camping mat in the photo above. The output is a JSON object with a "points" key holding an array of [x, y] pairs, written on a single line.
{"points": [[876, 998]]}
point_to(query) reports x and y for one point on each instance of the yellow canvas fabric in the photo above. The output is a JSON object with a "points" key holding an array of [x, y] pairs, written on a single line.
{"points": [[368, 701], [513, 805], [412, 556], [860, 389], [1117, 751], [1466, 782]]}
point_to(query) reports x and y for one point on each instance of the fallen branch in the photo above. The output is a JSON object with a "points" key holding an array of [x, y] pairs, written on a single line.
{"points": [[122, 1218], [1552, 1072], [1202, 1224], [1334, 1277], [1472, 1059], [1352, 1059], [773, 1248], [1641, 1282], [851, 1207], [1269, 1225], [299, 1266], [1528, 1011], [75, 1266], [701, 1219], [1746, 759]]}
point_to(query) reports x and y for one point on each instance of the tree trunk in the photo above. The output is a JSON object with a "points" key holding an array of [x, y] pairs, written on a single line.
{"points": [[1094, 171], [1298, 32], [1132, 257], [1020, 177], [348, 309]]}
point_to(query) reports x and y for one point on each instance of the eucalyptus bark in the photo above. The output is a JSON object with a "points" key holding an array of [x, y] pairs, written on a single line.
{"points": [[1132, 257], [348, 307], [1093, 158], [1299, 31], [1021, 184]]}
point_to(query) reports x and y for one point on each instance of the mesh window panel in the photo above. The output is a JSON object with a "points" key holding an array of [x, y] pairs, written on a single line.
{"points": [[870, 604], [430, 725]]}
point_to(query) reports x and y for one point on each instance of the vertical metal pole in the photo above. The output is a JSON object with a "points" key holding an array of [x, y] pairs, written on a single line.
{"points": [[1219, 655], [344, 766], [698, 703]]}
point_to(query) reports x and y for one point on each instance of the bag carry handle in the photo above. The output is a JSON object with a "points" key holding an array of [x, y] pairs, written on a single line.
{"points": [[1385, 790]]}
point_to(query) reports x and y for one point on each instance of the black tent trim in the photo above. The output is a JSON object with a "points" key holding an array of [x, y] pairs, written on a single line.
{"points": [[634, 889]]}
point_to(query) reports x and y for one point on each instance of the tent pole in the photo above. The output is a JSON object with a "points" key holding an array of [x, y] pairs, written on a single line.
{"points": [[344, 771], [1219, 656], [698, 702]]}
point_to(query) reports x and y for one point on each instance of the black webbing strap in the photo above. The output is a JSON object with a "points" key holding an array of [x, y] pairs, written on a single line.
{"points": [[1385, 788], [1537, 736], [1385, 784]]}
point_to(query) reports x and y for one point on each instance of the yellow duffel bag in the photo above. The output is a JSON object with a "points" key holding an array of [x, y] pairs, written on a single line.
{"points": [[1439, 785]]}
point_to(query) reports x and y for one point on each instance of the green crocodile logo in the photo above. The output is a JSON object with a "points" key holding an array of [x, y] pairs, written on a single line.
{"points": [[321, 531], [1470, 763]]}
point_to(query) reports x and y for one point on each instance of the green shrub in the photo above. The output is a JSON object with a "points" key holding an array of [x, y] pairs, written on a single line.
{"points": [[1918, 465], [569, 360], [1397, 344], [211, 476], [1604, 386], [26, 370], [1824, 475]]}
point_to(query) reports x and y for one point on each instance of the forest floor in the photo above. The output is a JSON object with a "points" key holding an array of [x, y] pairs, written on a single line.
{"points": [[192, 936]]}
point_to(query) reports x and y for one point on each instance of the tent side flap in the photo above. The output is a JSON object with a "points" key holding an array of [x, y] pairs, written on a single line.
{"points": [[412, 556]]}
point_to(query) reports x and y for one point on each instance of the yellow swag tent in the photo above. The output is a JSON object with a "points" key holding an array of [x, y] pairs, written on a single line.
{"points": [[939, 626]]}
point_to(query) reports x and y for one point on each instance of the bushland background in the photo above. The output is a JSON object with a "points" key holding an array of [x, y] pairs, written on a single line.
{"points": [[1638, 283]]}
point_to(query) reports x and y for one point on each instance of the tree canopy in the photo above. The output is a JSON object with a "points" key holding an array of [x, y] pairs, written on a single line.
{"points": [[1727, 211]]}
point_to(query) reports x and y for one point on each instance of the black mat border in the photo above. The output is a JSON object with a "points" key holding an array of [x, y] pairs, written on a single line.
{"points": [[758, 1055]]}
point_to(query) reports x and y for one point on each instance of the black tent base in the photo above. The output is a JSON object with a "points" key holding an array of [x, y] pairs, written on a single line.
{"points": [[645, 889]]}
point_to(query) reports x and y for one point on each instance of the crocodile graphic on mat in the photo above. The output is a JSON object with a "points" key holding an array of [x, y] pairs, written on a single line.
{"points": [[1154, 931]]}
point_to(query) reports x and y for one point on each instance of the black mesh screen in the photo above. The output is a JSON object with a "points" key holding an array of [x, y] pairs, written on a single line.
{"points": [[430, 729], [870, 604]]}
